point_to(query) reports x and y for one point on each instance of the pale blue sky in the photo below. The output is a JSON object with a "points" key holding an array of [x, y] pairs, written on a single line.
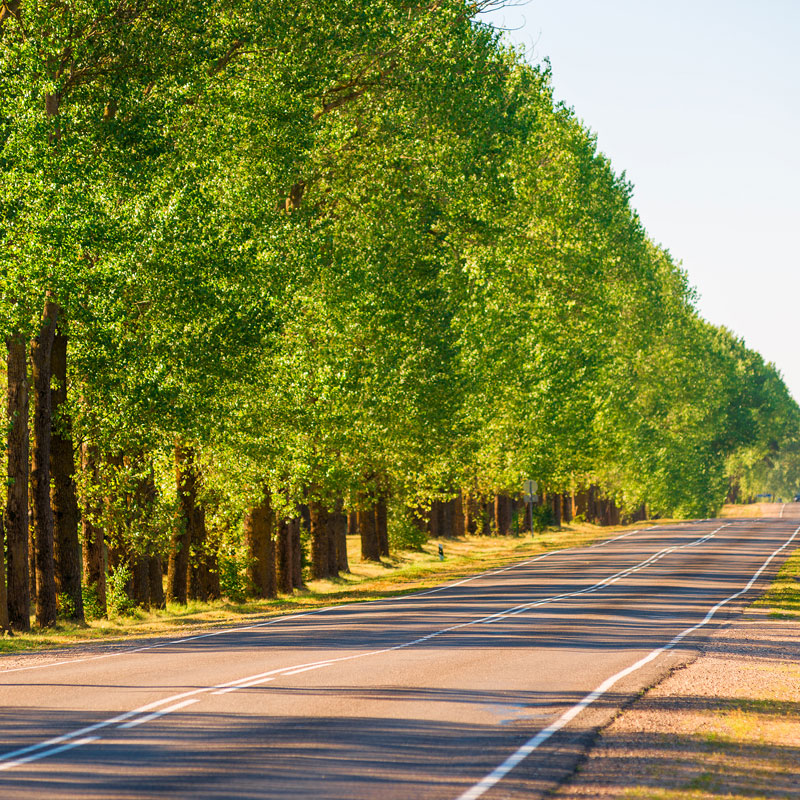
{"points": [[699, 103]]}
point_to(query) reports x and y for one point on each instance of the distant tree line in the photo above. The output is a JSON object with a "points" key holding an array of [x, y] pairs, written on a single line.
{"points": [[275, 272]]}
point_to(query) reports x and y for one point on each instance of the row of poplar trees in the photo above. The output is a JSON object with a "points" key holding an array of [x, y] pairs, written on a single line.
{"points": [[274, 271]]}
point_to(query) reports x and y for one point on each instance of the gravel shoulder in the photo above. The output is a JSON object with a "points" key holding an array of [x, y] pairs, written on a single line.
{"points": [[725, 725]]}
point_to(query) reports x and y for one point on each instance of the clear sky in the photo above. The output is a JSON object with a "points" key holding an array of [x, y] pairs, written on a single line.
{"points": [[699, 104]]}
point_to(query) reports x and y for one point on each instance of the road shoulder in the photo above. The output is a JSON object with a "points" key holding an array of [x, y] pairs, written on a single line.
{"points": [[727, 724]]}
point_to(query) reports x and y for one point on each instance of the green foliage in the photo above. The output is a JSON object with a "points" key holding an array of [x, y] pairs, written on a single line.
{"points": [[349, 248], [117, 596], [92, 608], [542, 518], [233, 583], [404, 534]]}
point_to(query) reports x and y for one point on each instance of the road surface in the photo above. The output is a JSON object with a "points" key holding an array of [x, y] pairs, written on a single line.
{"points": [[487, 687]]}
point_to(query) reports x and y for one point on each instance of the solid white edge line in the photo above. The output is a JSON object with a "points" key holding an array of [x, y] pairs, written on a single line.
{"points": [[411, 596], [519, 755]]}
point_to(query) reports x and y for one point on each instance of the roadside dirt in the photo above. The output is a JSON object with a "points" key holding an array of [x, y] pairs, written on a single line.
{"points": [[726, 725]]}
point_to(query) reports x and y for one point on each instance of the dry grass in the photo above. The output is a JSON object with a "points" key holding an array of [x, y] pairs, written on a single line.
{"points": [[751, 510]]}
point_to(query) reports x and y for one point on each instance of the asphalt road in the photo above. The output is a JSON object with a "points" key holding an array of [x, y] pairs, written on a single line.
{"points": [[490, 687]]}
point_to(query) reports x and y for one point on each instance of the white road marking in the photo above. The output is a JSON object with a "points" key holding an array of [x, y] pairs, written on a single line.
{"points": [[519, 755], [289, 617], [265, 677], [155, 714], [260, 682], [45, 753], [603, 583]]}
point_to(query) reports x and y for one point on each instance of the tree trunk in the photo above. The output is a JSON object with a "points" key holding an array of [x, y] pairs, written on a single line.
{"points": [[178, 568], [41, 351], [19, 596], [487, 516], [370, 547], [435, 517], [502, 514], [459, 516], [31, 558], [555, 508], [260, 550], [320, 550], [4, 626], [341, 525], [94, 555], [157, 599], [592, 513], [285, 558], [66, 515], [472, 513], [566, 507], [199, 557], [297, 554], [194, 520], [140, 591], [382, 526], [333, 554], [446, 519]]}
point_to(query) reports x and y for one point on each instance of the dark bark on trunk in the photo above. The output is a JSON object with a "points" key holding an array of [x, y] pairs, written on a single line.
{"points": [[487, 517], [285, 558], [341, 526], [446, 519], [352, 523], [193, 517], [63, 497], [382, 526], [94, 556], [566, 507], [472, 514], [41, 352], [260, 550], [178, 569], [140, 591], [31, 559], [19, 596], [199, 558], [459, 516], [333, 553], [156, 581], [4, 626], [555, 508], [370, 547], [145, 592], [582, 504], [502, 514], [297, 555], [592, 512], [320, 549], [435, 517]]}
